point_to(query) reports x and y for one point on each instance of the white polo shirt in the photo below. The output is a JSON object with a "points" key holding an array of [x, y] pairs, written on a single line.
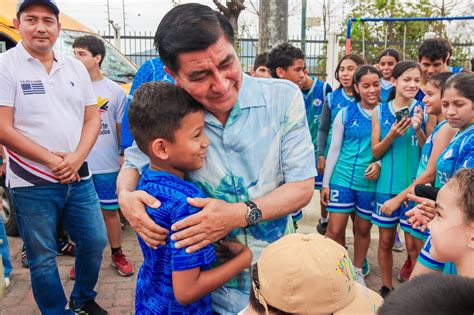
{"points": [[48, 108]]}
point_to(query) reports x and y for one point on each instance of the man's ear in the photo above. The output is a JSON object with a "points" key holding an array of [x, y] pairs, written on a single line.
{"points": [[171, 73], [252, 73], [16, 23], [159, 148], [280, 72]]}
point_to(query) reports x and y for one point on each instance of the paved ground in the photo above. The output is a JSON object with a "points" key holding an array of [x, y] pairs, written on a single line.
{"points": [[117, 294]]}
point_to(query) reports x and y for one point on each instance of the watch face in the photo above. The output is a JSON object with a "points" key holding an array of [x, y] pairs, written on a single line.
{"points": [[255, 216]]}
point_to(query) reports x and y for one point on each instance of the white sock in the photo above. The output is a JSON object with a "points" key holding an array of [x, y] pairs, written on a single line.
{"points": [[324, 220]]}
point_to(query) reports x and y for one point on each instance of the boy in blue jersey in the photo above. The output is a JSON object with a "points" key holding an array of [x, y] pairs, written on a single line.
{"points": [[168, 126], [287, 62], [433, 57]]}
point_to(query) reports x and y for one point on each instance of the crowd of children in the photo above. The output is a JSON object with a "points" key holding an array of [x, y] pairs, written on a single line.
{"points": [[393, 146]]}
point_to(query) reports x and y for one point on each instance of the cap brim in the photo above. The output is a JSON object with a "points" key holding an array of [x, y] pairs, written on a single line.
{"points": [[366, 302], [426, 191]]}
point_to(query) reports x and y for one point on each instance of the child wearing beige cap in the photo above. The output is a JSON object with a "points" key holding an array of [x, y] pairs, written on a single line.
{"points": [[308, 274]]}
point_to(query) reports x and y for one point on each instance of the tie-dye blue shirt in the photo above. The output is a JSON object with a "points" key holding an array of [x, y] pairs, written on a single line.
{"points": [[265, 143], [154, 290]]}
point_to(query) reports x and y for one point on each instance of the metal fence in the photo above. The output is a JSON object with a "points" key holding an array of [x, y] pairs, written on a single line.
{"points": [[138, 46]]}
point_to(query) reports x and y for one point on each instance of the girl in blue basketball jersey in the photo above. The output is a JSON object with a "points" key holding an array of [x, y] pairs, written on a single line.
{"points": [[334, 102], [434, 145], [351, 173], [398, 144], [458, 104], [387, 61]]}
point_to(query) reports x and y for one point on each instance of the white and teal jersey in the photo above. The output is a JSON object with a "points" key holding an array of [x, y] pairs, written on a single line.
{"points": [[337, 100], [314, 99], [400, 161], [458, 154], [356, 151], [427, 148], [387, 88]]}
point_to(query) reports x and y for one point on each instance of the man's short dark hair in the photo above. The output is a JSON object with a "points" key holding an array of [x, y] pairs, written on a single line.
{"points": [[260, 60], [434, 49], [283, 55], [93, 44], [189, 27], [431, 294], [156, 111]]}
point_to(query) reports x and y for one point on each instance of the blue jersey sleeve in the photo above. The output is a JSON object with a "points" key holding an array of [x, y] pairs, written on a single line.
{"points": [[181, 260], [151, 70], [466, 154]]}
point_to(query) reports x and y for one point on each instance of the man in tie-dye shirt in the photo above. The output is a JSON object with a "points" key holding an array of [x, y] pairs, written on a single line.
{"points": [[260, 164]]}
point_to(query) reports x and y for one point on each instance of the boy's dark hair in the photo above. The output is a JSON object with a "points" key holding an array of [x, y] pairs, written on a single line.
{"points": [[283, 55], [93, 44], [434, 49], [356, 58], [399, 69], [463, 83], [259, 308], [390, 52], [439, 79], [431, 294], [260, 60], [189, 27], [360, 72], [156, 111]]}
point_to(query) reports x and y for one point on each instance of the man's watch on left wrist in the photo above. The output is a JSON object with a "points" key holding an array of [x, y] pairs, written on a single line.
{"points": [[254, 214]]}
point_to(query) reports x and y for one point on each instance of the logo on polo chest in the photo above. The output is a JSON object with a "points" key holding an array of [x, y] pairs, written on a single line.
{"points": [[32, 87]]}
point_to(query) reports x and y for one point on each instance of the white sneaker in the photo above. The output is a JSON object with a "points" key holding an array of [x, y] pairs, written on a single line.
{"points": [[7, 282], [359, 276]]}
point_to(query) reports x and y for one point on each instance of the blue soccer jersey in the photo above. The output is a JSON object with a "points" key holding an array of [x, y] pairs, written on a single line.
{"points": [[150, 71], [427, 148], [314, 99], [400, 161], [337, 100], [387, 88], [356, 151], [154, 289], [458, 154]]}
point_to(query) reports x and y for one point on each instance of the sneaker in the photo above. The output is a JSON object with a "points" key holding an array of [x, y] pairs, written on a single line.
{"points": [[7, 282], [123, 265], [72, 273], [365, 267], [385, 291], [406, 270], [24, 258], [397, 245], [90, 308], [66, 248], [359, 276], [322, 227]]}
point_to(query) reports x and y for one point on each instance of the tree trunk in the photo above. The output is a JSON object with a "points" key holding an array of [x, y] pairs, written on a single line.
{"points": [[273, 24]]}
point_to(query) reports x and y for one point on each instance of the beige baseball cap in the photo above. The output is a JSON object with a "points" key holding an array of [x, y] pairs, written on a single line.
{"points": [[311, 274]]}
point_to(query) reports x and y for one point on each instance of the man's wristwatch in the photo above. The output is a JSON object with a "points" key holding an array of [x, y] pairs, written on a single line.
{"points": [[254, 214]]}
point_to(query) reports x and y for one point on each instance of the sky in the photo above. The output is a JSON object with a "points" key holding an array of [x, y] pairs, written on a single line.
{"points": [[144, 15]]}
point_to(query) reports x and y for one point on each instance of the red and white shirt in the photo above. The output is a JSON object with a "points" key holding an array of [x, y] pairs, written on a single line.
{"points": [[48, 108]]}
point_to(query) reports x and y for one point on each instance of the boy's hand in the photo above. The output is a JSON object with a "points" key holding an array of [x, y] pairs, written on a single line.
{"points": [[66, 170], [226, 250]]}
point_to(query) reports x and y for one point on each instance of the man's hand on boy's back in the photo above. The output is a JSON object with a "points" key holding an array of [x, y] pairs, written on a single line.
{"points": [[215, 221]]}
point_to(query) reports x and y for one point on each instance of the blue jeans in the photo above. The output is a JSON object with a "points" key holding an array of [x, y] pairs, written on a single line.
{"points": [[228, 301], [7, 265], [39, 209]]}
